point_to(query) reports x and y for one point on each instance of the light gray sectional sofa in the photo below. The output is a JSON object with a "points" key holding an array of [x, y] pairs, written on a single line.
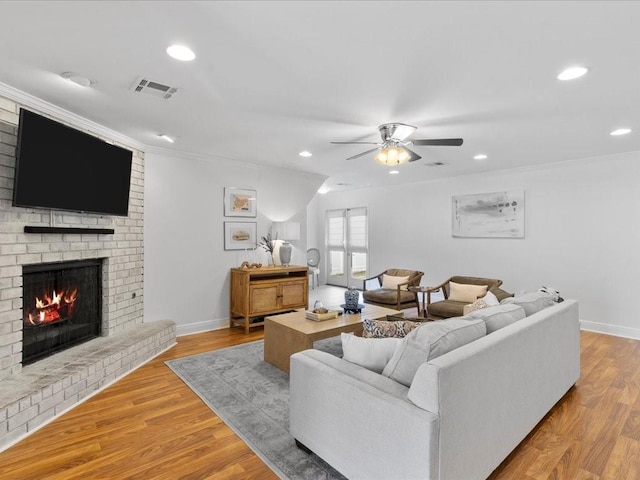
{"points": [[461, 414]]}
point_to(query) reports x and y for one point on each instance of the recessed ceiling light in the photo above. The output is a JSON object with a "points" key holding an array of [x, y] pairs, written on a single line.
{"points": [[166, 137], [322, 190], [304, 153], [620, 131], [77, 79], [572, 73], [394, 172], [180, 52], [480, 156]]}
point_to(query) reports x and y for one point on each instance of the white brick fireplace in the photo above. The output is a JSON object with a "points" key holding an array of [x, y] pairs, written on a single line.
{"points": [[32, 395]]}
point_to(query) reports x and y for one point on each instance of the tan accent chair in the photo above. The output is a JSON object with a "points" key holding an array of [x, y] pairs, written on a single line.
{"points": [[398, 298], [450, 308]]}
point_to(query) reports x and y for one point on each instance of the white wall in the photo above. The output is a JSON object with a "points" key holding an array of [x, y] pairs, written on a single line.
{"points": [[186, 269], [582, 234], [313, 238]]}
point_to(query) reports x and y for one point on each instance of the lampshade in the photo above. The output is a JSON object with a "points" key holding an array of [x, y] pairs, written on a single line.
{"points": [[287, 230], [392, 156]]}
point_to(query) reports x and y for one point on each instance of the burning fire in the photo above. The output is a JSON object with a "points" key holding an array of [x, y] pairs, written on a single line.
{"points": [[52, 308]]}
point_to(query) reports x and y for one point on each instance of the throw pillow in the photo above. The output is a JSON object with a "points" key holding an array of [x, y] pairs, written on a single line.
{"points": [[500, 294], [490, 299], [370, 353], [391, 282], [429, 341], [464, 292], [472, 307], [499, 316], [532, 302], [385, 329]]}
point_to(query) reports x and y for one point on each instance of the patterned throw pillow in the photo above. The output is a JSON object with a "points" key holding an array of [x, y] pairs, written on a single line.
{"points": [[477, 305], [385, 329]]}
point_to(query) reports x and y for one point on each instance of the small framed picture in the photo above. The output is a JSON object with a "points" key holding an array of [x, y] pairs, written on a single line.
{"points": [[240, 202], [240, 235]]}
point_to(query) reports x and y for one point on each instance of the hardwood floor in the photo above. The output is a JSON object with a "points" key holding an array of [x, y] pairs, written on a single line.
{"points": [[149, 425]]}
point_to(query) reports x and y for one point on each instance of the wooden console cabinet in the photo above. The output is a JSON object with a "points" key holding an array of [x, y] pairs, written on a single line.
{"points": [[258, 292]]}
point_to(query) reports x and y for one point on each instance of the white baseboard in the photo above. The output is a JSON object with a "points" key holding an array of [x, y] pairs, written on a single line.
{"points": [[607, 329], [199, 327]]}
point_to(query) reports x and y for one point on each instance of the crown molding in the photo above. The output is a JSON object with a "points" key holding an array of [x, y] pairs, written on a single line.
{"points": [[42, 106]]}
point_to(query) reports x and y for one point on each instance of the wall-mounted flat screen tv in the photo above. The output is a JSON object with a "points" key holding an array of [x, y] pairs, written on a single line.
{"points": [[61, 168]]}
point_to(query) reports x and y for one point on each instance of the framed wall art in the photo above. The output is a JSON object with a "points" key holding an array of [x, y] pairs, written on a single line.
{"points": [[240, 202], [240, 235], [488, 215]]}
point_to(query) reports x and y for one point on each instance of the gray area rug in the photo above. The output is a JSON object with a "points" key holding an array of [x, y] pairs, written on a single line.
{"points": [[252, 398]]}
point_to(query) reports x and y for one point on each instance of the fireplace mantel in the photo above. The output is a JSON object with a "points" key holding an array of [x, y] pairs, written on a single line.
{"points": [[34, 229]]}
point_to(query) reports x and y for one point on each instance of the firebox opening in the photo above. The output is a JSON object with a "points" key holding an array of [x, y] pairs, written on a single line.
{"points": [[61, 306]]}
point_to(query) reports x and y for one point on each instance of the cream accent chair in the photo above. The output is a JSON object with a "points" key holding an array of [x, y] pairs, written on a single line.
{"points": [[398, 297]]}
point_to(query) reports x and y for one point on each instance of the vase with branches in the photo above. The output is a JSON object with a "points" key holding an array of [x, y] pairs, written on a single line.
{"points": [[267, 242]]}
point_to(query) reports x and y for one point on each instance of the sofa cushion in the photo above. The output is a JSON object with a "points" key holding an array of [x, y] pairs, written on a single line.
{"points": [[460, 292], [370, 353], [499, 316], [532, 302], [385, 329], [391, 282], [428, 341], [388, 297]]}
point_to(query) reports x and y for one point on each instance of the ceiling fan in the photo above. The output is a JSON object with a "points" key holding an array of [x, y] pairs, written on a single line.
{"points": [[393, 148]]}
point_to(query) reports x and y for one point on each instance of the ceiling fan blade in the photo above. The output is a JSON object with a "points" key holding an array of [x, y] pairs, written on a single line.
{"points": [[414, 155], [362, 154], [447, 142], [354, 143]]}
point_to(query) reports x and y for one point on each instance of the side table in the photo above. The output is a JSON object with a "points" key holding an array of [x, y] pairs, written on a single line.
{"points": [[423, 290]]}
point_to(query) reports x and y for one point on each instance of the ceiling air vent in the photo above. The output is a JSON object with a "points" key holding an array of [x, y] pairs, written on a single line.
{"points": [[435, 164], [144, 85]]}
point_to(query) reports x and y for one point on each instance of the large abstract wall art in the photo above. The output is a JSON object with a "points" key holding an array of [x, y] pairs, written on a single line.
{"points": [[488, 215]]}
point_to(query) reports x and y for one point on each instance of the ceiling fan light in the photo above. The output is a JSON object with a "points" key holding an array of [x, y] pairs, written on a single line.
{"points": [[381, 156], [393, 155]]}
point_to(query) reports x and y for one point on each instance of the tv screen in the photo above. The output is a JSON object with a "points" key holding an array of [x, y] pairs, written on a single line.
{"points": [[61, 168]]}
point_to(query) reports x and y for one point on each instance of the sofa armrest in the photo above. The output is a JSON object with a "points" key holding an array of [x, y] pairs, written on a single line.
{"points": [[499, 387], [359, 422]]}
